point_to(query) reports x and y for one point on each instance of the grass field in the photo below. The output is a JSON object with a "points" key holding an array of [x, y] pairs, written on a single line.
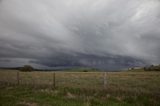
{"points": [[80, 89]]}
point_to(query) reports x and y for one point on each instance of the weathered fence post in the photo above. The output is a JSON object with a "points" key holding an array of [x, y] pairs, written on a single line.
{"points": [[54, 80], [34, 79], [105, 80], [18, 78]]}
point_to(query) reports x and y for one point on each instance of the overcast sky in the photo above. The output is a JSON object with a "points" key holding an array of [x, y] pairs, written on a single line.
{"points": [[34, 30]]}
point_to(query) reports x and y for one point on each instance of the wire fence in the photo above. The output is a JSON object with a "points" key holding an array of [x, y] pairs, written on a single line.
{"points": [[130, 80], [54, 79]]}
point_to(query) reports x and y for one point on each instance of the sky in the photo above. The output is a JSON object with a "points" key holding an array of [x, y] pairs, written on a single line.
{"points": [[109, 34]]}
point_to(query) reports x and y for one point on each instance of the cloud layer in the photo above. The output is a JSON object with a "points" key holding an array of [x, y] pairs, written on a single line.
{"points": [[38, 30]]}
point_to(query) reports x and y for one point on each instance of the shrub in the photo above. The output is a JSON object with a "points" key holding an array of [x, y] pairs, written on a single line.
{"points": [[152, 68], [27, 68]]}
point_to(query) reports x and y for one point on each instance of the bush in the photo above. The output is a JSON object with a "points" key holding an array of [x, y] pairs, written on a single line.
{"points": [[85, 70], [27, 68], [152, 68]]}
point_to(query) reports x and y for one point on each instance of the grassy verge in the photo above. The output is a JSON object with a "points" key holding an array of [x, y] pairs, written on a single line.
{"points": [[29, 96]]}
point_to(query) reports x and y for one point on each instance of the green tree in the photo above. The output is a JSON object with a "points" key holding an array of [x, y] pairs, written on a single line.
{"points": [[27, 68]]}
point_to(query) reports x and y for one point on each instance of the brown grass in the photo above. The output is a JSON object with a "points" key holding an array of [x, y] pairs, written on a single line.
{"points": [[130, 81]]}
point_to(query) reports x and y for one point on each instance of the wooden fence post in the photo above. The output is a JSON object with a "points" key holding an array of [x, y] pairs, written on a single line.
{"points": [[105, 80], [18, 78], [54, 80]]}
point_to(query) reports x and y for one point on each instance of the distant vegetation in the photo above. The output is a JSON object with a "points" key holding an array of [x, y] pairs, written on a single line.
{"points": [[82, 69], [147, 68], [27, 68], [152, 68]]}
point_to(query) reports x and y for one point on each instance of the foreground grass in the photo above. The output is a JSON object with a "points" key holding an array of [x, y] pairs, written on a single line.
{"points": [[29, 96], [80, 89]]}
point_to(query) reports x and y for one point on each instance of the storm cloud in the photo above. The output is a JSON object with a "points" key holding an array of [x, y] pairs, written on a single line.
{"points": [[79, 32]]}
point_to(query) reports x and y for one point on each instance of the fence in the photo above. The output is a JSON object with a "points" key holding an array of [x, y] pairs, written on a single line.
{"points": [[55, 79], [130, 80]]}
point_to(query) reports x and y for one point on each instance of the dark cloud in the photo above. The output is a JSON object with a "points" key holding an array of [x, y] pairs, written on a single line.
{"points": [[110, 62], [80, 32]]}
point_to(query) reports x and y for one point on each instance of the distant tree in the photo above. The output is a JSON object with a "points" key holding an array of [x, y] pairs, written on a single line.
{"points": [[152, 68], [85, 70], [145, 69], [27, 68]]}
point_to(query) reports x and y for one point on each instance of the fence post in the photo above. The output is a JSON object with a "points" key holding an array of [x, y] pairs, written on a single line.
{"points": [[54, 80], [105, 80], [18, 78]]}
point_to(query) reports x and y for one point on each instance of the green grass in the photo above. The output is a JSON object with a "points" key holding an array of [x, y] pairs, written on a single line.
{"points": [[27, 96], [80, 89]]}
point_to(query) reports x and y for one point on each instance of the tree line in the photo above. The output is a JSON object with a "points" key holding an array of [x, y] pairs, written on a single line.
{"points": [[152, 68]]}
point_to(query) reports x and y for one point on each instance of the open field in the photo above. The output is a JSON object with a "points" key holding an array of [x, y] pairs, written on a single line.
{"points": [[80, 89]]}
